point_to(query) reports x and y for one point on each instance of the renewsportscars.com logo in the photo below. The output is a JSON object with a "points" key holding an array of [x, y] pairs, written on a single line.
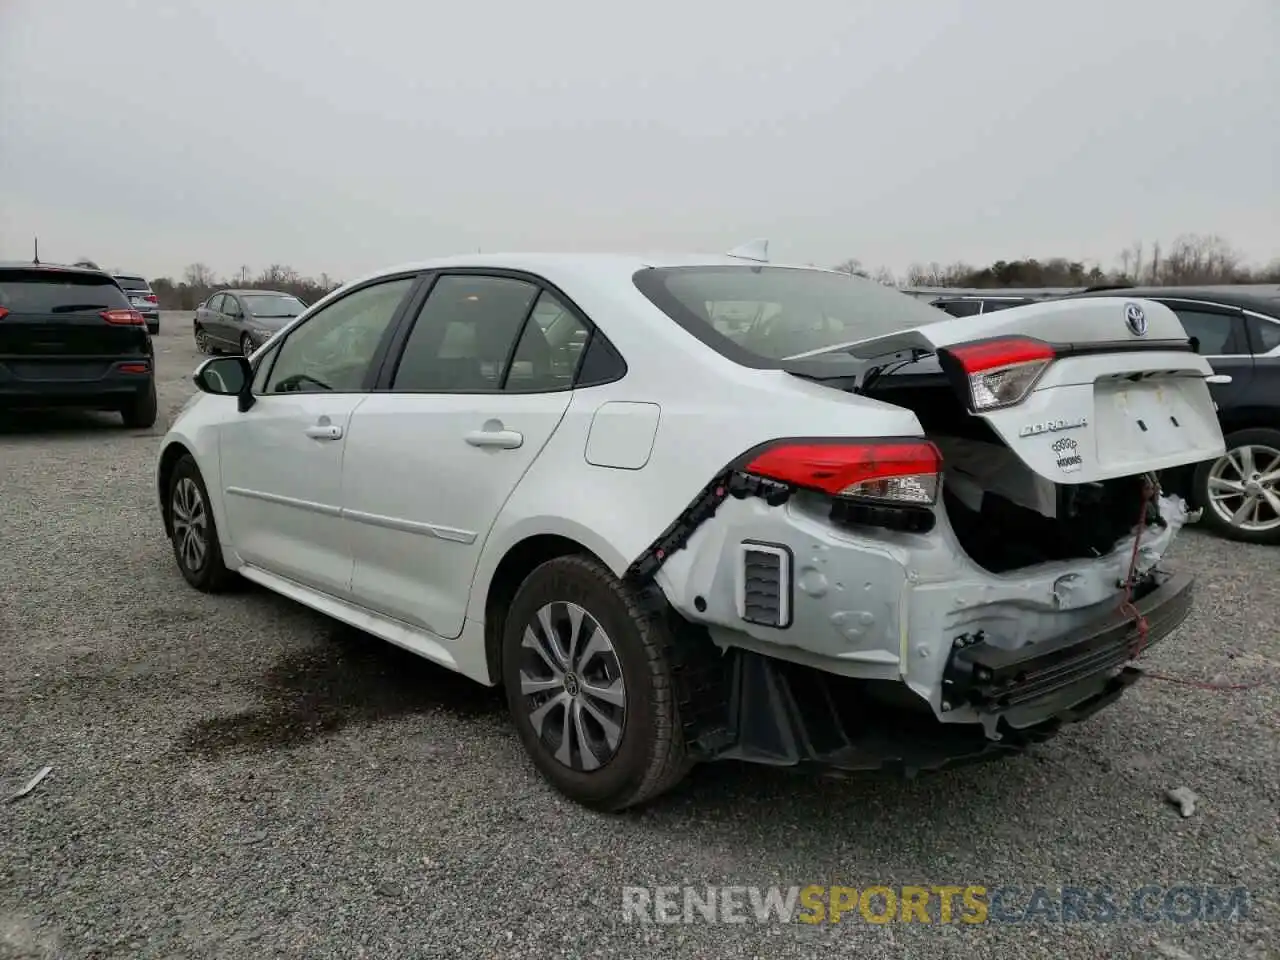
{"points": [[970, 904]]}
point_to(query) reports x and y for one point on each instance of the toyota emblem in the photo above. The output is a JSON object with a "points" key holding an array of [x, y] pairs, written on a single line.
{"points": [[1135, 319]]}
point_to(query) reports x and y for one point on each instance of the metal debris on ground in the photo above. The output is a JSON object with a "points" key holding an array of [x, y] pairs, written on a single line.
{"points": [[1183, 798], [32, 784]]}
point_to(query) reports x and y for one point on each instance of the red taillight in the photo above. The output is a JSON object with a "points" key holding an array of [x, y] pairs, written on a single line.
{"points": [[151, 298], [999, 372], [133, 368], [3, 313], [123, 318], [890, 471]]}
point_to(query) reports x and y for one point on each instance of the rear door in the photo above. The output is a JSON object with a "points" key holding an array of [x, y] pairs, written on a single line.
{"points": [[470, 401], [1220, 336], [69, 325]]}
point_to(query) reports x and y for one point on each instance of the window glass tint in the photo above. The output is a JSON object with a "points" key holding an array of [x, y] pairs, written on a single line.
{"points": [[272, 305], [464, 334], [135, 284], [601, 363], [55, 291], [550, 345], [231, 306], [1266, 334], [332, 350], [1212, 330], [215, 303], [961, 308], [989, 305], [263, 369], [778, 312]]}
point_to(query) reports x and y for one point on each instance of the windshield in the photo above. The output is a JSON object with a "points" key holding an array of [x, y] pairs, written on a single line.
{"points": [[55, 291], [272, 304], [752, 314]]}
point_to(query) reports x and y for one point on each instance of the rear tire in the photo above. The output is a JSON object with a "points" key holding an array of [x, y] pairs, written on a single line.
{"points": [[1257, 452], [141, 411], [611, 639], [203, 343], [193, 531]]}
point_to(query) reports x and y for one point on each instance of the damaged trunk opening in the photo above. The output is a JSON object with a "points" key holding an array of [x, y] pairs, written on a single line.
{"points": [[1004, 515]]}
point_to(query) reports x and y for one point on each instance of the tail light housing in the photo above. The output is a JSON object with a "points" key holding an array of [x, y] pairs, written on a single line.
{"points": [[123, 318], [886, 472], [3, 312], [151, 298], [996, 373]]}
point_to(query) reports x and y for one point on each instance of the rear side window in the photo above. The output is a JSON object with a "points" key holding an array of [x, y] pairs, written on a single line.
{"points": [[1265, 334], [134, 284], [1216, 334], [57, 291]]}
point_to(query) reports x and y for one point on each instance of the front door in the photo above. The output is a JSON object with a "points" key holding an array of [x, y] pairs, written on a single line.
{"points": [[282, 459]]}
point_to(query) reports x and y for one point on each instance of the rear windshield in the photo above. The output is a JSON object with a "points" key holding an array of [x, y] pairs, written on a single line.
{"points": [[134, 283], [55, 291], [755, 314], [272, 305]]}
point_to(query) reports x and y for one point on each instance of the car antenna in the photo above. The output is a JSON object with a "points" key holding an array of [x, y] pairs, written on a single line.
{"points": [[36, 258], [757, 250]]}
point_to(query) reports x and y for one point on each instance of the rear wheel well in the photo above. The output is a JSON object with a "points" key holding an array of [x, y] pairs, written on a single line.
{"points": [[520, 561], [168, 461]]}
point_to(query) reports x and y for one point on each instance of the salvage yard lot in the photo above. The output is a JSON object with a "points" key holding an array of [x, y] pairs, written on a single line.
{"points": [[239, 777]]}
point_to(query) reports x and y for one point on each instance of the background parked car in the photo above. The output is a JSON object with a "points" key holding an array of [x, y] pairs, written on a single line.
{"points": [[243, 320], [69, 338], [1237, 329], [143, 299], [970, 305]]}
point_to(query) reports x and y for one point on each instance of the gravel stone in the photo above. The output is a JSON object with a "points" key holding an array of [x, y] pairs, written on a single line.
{"points": [[237, 777]]}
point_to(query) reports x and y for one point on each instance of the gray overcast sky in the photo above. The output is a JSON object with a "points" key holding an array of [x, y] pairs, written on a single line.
{"points": [[343, 136]]}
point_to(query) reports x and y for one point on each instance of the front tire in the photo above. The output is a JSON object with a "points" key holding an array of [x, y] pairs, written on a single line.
{"points": [[246, 345], [586, 665], [141, 412], [1240, 491], [193, 531]]}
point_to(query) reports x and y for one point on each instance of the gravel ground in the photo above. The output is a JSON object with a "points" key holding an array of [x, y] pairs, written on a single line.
{"points": [[239, 777]]}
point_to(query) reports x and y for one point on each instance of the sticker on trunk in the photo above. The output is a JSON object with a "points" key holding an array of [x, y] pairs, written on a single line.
{"points": [[1067, 452]]}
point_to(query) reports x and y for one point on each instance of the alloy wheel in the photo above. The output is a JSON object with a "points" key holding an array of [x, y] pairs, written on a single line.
{"points": [[1244, 488], [202, 341], [190, 524], [573, 688]]}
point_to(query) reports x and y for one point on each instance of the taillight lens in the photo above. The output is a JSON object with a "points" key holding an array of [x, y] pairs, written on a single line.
{"points": [[901, 472], [1000, 372], [123, 318], [151, 298], [3, 313]]}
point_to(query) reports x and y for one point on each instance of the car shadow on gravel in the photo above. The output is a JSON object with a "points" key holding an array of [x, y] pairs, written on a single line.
{"points": [[353, 679], [54, 422]]}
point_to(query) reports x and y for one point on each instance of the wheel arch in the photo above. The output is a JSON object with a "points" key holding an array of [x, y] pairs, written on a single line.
{"points": [[169, 457]]}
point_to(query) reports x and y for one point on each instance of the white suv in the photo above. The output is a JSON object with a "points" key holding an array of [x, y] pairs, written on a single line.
{"points": [[695, 508]]}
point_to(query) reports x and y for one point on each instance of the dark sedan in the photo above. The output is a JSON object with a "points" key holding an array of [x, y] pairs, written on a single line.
{"points": [[243, 320]]}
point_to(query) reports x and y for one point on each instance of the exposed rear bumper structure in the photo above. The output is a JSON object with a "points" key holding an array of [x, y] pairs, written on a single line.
{"points": [[778, 713]]}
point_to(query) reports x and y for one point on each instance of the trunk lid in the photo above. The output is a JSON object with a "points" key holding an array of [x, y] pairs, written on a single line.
{"points": [[1122, 392]]}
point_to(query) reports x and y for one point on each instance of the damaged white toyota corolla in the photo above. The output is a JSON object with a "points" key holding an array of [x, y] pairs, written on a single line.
{"points": [[703, 508]]}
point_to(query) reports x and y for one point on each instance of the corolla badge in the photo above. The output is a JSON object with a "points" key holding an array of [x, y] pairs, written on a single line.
{"points": [[1135, 319]]}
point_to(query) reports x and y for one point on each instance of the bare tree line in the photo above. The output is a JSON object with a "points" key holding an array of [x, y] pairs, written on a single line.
{"points": [[1190, 259]]}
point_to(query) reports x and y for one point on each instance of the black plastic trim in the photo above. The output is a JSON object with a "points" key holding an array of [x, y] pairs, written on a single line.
{"points": [[789, 586]]}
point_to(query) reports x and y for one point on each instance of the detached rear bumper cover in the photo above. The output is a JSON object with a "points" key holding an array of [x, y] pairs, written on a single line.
{"points": [[995, 680]]}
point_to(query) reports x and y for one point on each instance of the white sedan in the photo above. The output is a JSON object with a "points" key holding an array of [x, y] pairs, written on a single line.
{"points": [[696, 508]]}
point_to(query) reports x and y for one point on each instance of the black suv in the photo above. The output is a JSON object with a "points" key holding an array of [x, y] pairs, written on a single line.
{"points": [[70, 338], [1237, 329]]}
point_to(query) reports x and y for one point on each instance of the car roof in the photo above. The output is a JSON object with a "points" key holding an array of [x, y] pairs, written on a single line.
{"points": [[51, 268], [1262, 297]]}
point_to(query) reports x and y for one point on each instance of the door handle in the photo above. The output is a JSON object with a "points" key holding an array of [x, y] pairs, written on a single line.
{"points": [[1218, 378], [502, 439], [325, 431]]}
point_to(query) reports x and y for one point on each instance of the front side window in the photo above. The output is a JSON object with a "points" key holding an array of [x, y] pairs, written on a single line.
{"points": [[756, 315], [332, 350]]}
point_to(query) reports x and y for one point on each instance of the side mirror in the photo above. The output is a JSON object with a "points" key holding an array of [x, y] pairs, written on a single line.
{"points": [[224, 376]]}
